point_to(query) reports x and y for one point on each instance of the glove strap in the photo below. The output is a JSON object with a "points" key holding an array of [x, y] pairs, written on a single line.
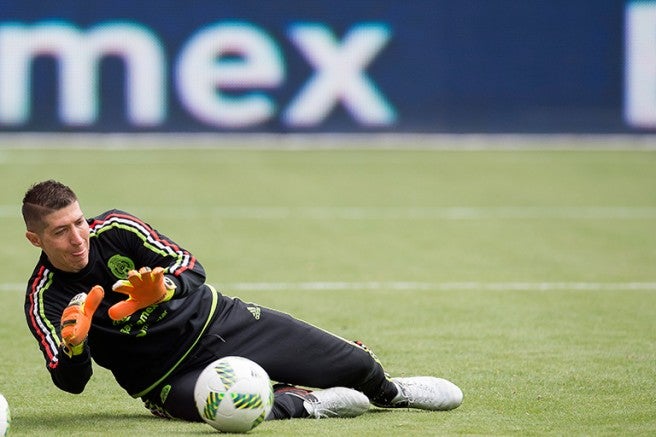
{"points": [[170, 289], [73, 351]]}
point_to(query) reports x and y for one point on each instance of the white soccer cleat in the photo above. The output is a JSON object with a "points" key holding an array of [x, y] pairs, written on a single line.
{"points": [[335, 402], [426, 393]]}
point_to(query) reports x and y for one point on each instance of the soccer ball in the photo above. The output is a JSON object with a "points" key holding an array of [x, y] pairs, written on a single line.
{"points": [[5, 417], [233, 394]]}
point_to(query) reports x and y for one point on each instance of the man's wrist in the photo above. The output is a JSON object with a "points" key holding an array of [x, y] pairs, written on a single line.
{"points": [[73, 351], [170, 286]]}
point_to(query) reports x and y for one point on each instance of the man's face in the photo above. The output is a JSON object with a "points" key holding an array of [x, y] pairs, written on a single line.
{"points": [[64, 239]]}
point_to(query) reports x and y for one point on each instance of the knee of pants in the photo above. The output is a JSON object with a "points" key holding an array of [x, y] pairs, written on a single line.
{"points": [[175, 399]]}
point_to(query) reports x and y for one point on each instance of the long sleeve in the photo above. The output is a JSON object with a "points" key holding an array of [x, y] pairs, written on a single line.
{"points": [[72, 374], [68, 374]]}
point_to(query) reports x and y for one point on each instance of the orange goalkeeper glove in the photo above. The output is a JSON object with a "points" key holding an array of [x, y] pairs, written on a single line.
{"points": [[144, 288], [76, 320]]}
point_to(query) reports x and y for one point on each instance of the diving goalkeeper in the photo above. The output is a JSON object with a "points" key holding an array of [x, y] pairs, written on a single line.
{"points": [[113, 289]]}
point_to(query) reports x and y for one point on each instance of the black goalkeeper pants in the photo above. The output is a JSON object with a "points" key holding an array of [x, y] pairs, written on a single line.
{"points": [[290, 350]]}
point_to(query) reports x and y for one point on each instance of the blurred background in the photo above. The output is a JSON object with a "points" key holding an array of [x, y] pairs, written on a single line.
{"points": [[363, 66]]}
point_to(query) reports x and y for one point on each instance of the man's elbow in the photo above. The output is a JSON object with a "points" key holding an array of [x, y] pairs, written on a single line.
{"points": [[74, 387]]}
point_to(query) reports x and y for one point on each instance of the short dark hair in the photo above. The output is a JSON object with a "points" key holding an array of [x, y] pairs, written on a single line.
{"points": [[44, 198]]}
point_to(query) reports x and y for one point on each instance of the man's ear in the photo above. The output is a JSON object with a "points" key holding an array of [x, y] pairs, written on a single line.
{"points": [[33, 238]]}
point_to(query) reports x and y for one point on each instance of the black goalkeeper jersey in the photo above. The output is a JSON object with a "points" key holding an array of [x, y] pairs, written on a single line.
{"points": [[143, 349]]}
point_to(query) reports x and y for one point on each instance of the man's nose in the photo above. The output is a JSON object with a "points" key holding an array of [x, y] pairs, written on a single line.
{"points": [[76, 237]]}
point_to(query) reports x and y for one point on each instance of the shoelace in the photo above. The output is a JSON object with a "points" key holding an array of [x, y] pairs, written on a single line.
{"points": [[404, 393], [316, 406]]}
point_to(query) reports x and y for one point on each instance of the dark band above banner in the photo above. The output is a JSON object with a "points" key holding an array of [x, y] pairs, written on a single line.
{"points": [[471, 66]]}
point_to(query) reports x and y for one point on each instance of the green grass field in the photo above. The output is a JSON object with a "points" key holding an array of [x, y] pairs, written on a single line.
{"points": [[526, 277]]}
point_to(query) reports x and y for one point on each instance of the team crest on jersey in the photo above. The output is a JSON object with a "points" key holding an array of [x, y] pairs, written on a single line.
{"points": [[120, 266]]}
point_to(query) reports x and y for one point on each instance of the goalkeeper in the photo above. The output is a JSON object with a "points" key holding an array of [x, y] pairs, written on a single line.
{"points": [[113, 289]]}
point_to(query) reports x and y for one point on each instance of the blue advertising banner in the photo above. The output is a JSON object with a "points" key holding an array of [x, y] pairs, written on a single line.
{"points": [[473, 66]]}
